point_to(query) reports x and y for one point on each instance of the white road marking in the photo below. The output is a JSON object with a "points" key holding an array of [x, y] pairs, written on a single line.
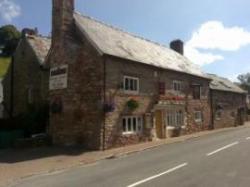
{"points": [[222, 148], [158, 175], [248, 138]]}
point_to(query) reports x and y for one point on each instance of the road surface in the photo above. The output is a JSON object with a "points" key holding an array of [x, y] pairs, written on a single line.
{"points": [[216, 160]]}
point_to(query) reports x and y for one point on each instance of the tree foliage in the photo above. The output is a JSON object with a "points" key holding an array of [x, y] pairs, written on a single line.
{"points": [[9, 38], [245, 81]]}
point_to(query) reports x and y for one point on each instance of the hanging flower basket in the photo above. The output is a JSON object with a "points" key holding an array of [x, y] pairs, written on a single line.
{"points": [[132, 104]]}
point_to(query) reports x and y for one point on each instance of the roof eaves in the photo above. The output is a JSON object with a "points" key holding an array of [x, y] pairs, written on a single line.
{"points": [[232, 91]]}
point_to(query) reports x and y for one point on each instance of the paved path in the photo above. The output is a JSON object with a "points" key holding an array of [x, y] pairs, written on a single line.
{"points": [[216, 160]]}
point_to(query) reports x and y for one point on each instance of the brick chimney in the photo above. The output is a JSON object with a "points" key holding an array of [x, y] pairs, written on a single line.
{"points": [[177, 45], [62, 19]]}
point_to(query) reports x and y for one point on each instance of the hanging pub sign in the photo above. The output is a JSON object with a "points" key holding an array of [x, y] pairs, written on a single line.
{"points": [[58, 77]]}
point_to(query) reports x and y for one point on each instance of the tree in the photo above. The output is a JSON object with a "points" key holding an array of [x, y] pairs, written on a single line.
{"points": [[245, 81], [9, 38]]}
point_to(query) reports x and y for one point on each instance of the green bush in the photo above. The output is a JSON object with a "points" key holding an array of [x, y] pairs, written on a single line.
{"points": [[132, 104]]}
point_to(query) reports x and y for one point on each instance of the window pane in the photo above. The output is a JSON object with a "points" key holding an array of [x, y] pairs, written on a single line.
{"points": [[198, 116], [129, 124], [172, 118], [131, 84], [196, 92], [126, 84], [168, 118], [124, 125], [136, 85], [182, 118], [134, 124]]}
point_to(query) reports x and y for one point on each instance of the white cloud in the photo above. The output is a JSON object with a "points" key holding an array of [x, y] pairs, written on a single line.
{"points": [[201, 58], [9, 10], [213, 35]]}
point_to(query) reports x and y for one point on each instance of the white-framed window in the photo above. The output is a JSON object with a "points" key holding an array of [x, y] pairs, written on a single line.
{"points": [[175, 118], [132, 124], [131, 84], [177, 85], [198, 116]]}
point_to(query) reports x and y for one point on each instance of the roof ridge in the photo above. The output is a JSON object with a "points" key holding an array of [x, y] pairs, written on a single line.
{"points": [[122, 30], [37, 36], [218, 76]]}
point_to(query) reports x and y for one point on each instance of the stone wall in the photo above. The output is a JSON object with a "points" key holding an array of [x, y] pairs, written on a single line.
{"points": [[81, 119], [229, 104], [30, 81], [147, 98]]}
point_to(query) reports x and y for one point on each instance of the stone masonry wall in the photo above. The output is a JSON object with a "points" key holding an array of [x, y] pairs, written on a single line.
{"points": [[27, 75], [81, 120], [228, 103], [147, 98]]}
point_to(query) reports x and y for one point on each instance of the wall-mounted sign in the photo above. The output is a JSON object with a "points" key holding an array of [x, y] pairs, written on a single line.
{"points": [[58, 77]]}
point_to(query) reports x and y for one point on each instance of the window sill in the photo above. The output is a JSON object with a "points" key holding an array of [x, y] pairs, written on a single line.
{"points": [[131, 92], [198, 121], [129, 133], [175, 127]]}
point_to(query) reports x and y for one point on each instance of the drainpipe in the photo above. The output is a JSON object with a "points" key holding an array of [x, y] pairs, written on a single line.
{"points": [[12, 87], [104, 101]]}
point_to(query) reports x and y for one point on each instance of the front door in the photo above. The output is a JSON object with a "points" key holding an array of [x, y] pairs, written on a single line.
{"points": [[159, 124]]}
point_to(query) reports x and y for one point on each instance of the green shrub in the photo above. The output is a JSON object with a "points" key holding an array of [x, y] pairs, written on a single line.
{"points": [[132, 104]]}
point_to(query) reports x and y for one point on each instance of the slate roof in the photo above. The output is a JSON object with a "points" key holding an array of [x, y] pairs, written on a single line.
{"points": [[40, 45], [223, 84], [116, 42]]}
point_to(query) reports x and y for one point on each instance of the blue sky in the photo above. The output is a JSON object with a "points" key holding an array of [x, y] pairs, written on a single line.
{"points": [[216, 32]]}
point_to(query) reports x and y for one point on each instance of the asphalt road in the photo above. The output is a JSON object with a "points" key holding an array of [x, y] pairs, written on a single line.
{"points": [[216, 160]]}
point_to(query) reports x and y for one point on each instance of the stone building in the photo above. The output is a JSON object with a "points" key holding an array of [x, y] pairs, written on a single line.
{"points": [[228, 103], [26, 81], [111, 88]]}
